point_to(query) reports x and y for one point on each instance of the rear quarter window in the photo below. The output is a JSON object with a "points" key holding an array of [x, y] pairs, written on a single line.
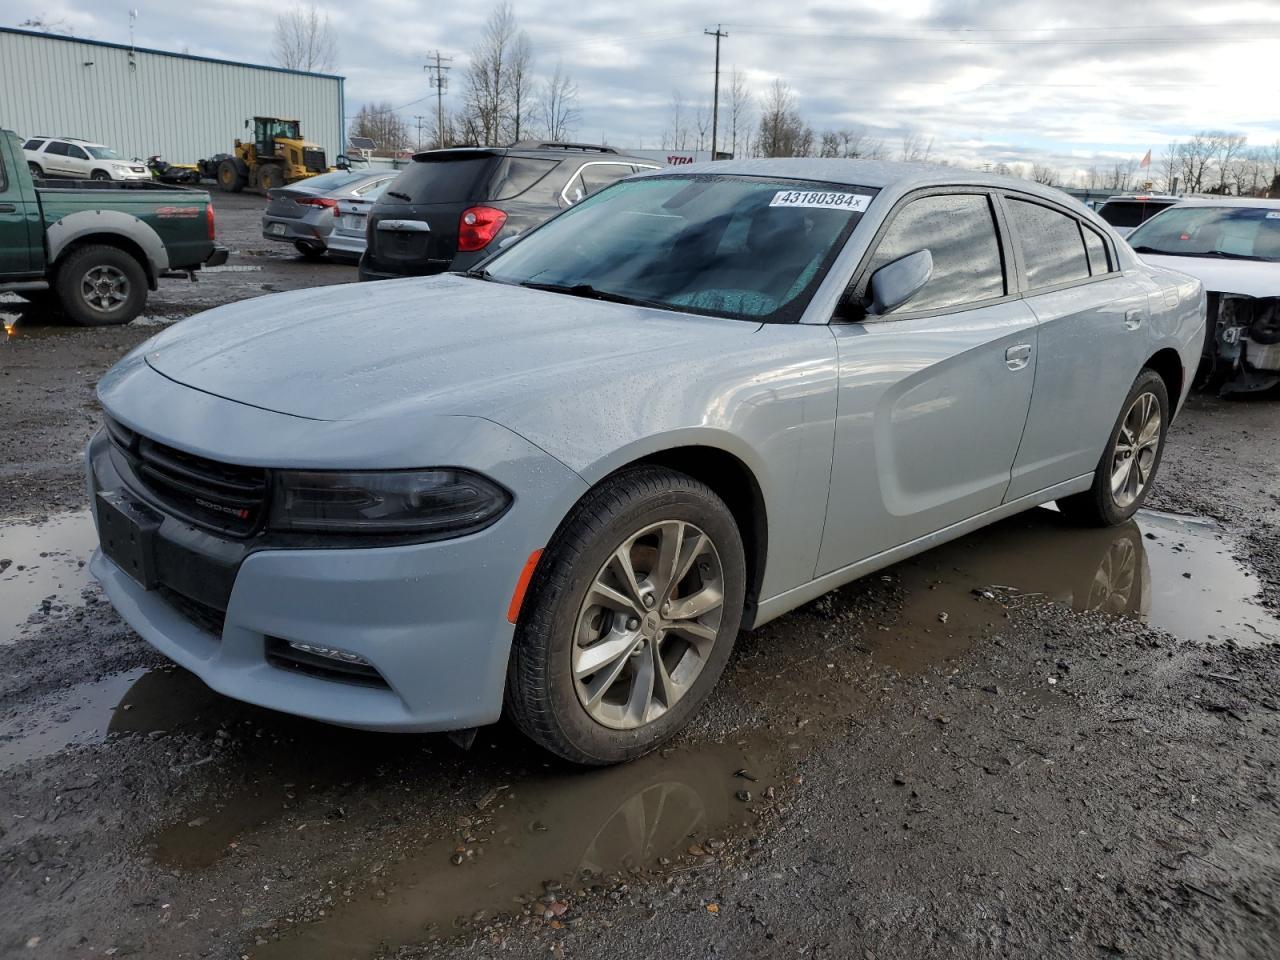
{"points": [[1052, 247], [33, 145], [517, 175], [446, 179]]}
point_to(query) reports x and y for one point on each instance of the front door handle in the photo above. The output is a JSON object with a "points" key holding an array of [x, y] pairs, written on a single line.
{"points": [[1133, 318], [1017, 356], [8, 208]]}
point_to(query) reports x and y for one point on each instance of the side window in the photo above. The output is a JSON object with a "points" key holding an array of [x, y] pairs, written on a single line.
{"points": [[597, 176], [959, 230], [573, 191], [33, 145], [1097, 250], [76, 153], [1052, 248], [57, 148], [518, 174]]}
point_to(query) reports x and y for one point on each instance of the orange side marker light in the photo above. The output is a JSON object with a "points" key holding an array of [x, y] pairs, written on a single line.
{"points": [[517, 598]]}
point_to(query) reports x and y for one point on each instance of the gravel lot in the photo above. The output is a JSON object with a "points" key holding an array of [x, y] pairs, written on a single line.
{"points": [[1037, 741]]}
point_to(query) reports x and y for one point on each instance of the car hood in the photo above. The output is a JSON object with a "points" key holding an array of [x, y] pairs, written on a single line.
{"points": [[1253, 278], [448, 344]]}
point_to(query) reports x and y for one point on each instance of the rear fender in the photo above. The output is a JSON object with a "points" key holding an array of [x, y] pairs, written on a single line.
{"points": [[62, 234]]}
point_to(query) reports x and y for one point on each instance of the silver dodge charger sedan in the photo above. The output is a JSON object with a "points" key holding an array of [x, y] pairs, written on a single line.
{"points": [[560, 483]]}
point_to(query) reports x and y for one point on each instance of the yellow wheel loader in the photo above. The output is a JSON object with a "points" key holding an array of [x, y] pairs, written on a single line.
{"points": [[276, 155]]}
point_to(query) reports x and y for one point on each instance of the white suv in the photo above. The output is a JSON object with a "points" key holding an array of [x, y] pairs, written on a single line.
{"points": [[56, 158]]}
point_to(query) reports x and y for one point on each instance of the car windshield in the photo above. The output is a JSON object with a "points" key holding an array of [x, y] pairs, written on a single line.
{"points": [[1247, 233], [104, 153], [743, 247]]}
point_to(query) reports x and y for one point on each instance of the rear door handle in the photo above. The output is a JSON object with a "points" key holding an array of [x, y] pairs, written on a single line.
{"points": [[1133, 318], [1017, 356], [8, 208]]}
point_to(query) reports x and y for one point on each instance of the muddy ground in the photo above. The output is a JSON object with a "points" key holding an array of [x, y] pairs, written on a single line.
{"points": [[1037, 741]]}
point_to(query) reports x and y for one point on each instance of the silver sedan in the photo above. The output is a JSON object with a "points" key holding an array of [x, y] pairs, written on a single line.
{"points": [[559, 485], [325, 214]]}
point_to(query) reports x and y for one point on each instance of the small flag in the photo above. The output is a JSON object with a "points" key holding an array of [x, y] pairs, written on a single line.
{"points": [[1146, 161]]}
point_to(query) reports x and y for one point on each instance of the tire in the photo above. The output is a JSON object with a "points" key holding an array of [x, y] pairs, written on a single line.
{"points": [[100, 175], [270, 176], [36, 172], [634, 509], [230, 178], [310, 251], [1100, 506], [101, 286]]}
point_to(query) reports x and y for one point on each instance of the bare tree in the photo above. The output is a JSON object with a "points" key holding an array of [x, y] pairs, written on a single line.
{"points": [[44, 24], [1195, 159], [304, 40], [676, 135], [497, 80], [1168, 167], [381, 123], [738, 106], [915, 147], [1229, 147], [782, 131], [558, 105], [1043, 173]]}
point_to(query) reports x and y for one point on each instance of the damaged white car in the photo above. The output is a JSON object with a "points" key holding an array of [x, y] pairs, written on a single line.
{"points": [[1232, 245]]}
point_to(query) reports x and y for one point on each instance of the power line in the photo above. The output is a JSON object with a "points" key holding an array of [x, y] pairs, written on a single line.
{"points": [[441, 83]]}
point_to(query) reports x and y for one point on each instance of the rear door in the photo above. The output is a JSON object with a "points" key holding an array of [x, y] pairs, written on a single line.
{"points": [[1093, 337], [934, 394], [54, 160]]}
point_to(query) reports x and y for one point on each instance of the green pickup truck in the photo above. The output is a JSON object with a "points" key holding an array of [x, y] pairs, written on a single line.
{"points": [[95, 249]]}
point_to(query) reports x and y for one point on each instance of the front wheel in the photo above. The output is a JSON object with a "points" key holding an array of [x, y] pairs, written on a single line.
{"points": [[36, 172], [630, 618], [1127, 470], [100, 175]]}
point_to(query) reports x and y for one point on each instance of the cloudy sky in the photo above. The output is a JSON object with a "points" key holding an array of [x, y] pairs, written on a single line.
{"points": [[1017, 80]]}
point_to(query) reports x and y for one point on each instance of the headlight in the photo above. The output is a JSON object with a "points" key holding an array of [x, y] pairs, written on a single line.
{"points": [[435, 502]]}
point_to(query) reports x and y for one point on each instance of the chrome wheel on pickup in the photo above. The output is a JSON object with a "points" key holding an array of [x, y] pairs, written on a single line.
{"points": [[629, 619], [99, 285]]}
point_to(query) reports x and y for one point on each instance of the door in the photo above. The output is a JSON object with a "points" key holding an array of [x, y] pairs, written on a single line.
{"points": [[17, 222], [78, 162], [1093, 335], [933, 394], [54, 160]]}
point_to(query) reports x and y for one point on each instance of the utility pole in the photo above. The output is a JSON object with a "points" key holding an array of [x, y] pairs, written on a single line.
{"points": [[441, 83], [715, 97], [419, 117]]}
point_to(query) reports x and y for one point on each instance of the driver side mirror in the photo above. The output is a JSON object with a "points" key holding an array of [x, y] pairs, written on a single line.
{"points": [[897, 282], [342, 162]]}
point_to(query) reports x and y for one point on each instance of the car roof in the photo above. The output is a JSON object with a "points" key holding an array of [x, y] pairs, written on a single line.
{"points": [[1146, 197], [877, 174], [75, 140], [1229, 202], [549, 151]]}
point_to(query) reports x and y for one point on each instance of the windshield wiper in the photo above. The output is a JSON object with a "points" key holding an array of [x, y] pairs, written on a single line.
{"points": [[591, 293], [399, 196], [1218, 254]]}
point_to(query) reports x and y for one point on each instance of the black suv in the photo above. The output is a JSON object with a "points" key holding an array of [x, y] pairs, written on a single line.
{"points": [[449, 209]]}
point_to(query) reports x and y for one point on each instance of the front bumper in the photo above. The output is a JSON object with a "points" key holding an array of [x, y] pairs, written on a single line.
{"points": [[429, 618]]}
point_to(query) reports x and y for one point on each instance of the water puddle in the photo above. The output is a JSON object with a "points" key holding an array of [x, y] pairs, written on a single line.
{"points": [[139, 701], [551, 832], [43, 568]]}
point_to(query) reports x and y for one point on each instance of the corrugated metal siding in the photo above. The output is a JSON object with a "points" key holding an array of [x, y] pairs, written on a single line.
{"points": [[180, 108]]}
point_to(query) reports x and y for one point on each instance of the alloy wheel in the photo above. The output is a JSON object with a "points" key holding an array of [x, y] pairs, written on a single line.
{"points": [[1135, 451], [647, 625], [104, 288]]}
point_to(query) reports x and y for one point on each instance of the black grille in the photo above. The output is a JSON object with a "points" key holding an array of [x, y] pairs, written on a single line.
{"points": [[207, 618], [218, 496]]}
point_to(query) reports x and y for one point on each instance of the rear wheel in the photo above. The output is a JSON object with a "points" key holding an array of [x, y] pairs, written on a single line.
{"points": [[310, 251], [271, 176], [1125, 473], [100, 286], [229, 176], [630, 618]]}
